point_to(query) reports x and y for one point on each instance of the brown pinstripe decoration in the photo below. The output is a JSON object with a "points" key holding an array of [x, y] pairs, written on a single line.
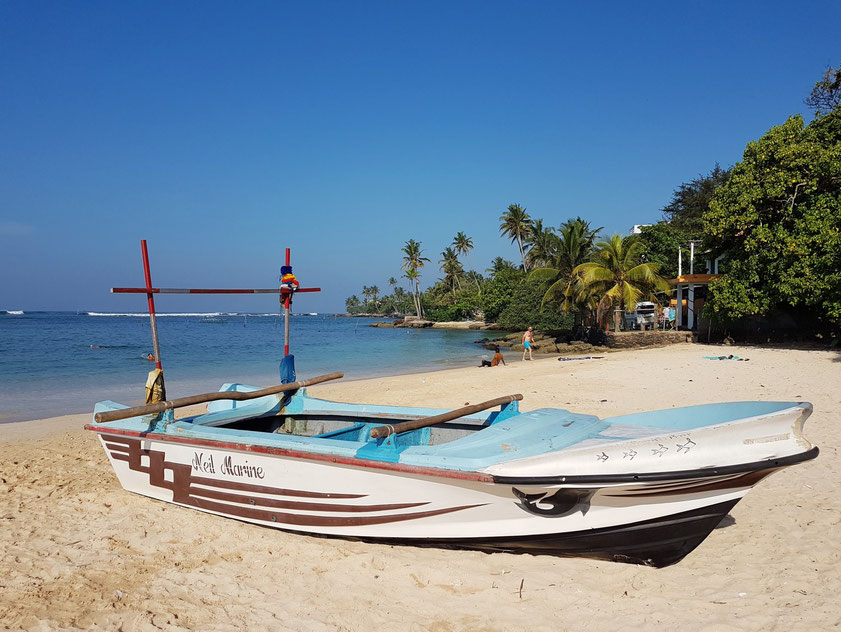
{"points": [[205, 493]]}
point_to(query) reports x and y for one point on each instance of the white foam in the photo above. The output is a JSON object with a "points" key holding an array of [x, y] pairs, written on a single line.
{"points": [[14, 312], [158, 314]]}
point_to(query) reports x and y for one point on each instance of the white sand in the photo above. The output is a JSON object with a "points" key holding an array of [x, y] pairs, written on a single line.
{"points": [[76, 551]]}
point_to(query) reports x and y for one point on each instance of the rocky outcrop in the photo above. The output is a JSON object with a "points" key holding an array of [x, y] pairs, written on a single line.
{"points": [[409, 322], [460, 324], [413, 322], [544, 342], [560, 342]]}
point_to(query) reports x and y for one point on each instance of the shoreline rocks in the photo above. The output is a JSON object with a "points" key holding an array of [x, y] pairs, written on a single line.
{"points": [[413, 322], [549, 342], [561, 341]]}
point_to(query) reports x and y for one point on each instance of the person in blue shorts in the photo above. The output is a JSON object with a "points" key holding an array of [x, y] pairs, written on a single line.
{"points": [[528, 339]]}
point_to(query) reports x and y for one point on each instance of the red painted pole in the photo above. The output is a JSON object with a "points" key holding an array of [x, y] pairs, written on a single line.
{"points": [[287, 303], [151, 298]]}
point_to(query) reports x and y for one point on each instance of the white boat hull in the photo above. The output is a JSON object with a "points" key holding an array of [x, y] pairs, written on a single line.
{"points": [[653, 522]]}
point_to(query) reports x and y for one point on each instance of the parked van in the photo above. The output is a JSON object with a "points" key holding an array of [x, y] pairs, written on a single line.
{"points": [[644, 316]]}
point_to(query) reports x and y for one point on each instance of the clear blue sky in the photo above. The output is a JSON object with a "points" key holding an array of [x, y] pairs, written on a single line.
{"points": [[223, 132]]}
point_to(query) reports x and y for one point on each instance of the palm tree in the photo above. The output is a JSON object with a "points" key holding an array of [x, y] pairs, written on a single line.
{"points": [[499, 264], [516, 224], [478, 279], [374, 295], [351, 302], [412, 262], [573, 247], [463, 244], [542, 244], [393, 283], [413, 275], [451, 267], [576, 241], [618, 278]]}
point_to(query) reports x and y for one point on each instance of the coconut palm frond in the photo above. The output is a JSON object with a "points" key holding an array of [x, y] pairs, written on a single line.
{"points": [[543, 274], [516, 224], [616, 275], [593, 272], [630, 296]]}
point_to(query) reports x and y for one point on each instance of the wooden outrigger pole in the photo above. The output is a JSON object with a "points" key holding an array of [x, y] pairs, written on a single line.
{"points": [[156, 348], [155, 391]]}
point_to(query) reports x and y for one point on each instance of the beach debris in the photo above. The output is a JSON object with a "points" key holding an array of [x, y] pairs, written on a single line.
{"points": [[584, 358], [727, 357], [118, 594], [522, 581]]}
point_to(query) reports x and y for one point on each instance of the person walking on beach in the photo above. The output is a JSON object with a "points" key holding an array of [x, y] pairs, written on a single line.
{"points": [[528, 339]]}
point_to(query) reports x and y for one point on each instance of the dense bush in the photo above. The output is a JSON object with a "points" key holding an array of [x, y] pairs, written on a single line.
{"points": [[777, 220], [523, 310], [498, 292]]}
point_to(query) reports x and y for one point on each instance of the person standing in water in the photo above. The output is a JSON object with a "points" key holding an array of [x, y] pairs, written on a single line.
{"points": [[528, 339]]}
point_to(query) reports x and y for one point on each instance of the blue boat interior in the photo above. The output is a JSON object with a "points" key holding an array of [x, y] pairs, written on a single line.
{"points": [[307, 424]]}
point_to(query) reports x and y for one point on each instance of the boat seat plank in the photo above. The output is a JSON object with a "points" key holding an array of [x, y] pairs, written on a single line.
{"points": [[525, 435]]}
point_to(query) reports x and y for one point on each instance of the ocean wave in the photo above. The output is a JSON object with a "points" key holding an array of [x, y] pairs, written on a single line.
{"points": [[159, 314], [12, 312]]}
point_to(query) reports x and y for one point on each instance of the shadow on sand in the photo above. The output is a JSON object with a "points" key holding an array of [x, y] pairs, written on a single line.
{"points": [[726, 521]]}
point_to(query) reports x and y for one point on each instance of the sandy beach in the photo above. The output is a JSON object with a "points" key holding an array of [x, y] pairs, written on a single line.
{"points": [[78, 552]]}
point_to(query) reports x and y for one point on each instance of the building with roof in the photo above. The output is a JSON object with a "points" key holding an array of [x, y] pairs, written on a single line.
{"points": [[691, 289]]}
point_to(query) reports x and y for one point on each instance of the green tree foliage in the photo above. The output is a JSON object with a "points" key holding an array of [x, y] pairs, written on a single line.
{"points": [[826, 94], [498, 291], [413, 261], [661, 242], [542, 245], [499, 264], [516, 224], [452, 269], [371, 296], [778, 220], [692, 199], [462, 244], [618, 278], [559, 279], [525, 309], [474, 280]]}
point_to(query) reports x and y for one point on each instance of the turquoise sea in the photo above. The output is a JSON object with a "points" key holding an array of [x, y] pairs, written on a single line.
{"points": [[59, 363]]}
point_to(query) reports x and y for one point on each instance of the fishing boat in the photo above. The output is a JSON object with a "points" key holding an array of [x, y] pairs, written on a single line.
{"points": [[645, 488]]}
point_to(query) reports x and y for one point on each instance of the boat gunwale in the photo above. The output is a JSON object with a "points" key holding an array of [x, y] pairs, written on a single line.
{"points": [[644, 477], [579, 479], [297, 454]]}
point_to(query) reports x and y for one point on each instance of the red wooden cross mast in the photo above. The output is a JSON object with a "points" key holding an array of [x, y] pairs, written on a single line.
{"points": [[288, 287]]}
